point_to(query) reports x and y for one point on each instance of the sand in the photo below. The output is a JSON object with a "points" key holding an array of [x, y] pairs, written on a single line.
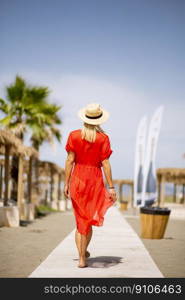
{"points": [[24, 248], [169, 252]]}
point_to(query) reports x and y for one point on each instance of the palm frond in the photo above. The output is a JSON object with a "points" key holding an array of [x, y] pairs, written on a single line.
{"points": [[15, 91], [4, 107], [6, 121], [27, 107], [56, 133], [36, 95], [18, 128]]}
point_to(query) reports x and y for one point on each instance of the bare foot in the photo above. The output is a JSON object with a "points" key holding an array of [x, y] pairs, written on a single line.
{"points": [[82, 262]]}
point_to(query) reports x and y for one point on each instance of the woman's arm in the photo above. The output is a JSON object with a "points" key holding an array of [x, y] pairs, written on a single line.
{"points": [[68, 168], [108, 175]]}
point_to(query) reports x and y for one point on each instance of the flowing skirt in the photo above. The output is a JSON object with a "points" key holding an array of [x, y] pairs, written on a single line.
{"points": [[90, 199]]}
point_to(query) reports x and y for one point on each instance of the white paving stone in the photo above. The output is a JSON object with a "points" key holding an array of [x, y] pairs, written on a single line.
{"points": [[116, 251]]}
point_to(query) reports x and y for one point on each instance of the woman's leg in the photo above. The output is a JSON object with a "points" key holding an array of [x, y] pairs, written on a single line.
{"points": [[82, 242], [89, 236], [77, 240]]}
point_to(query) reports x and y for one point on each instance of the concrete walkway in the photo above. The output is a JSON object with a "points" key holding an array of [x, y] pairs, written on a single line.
{"points": [[116, 251]]}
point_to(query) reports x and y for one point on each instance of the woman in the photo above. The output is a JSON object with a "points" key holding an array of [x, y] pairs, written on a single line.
{"points": [[88, 150]]}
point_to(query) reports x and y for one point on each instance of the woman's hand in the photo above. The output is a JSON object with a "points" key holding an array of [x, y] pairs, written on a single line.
{"points": [[113, 195], [66, 190]]}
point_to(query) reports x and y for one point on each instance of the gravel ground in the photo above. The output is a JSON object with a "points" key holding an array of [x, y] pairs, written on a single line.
{"points": [[169, 252], [24, 248]]}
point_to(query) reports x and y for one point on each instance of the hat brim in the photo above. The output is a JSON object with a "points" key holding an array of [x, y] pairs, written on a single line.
{"points": [[102, 119]]}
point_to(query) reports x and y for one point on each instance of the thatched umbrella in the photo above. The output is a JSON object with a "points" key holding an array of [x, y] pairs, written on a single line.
{"points": [[173, 175], [11, 145], [50, 169], [120, 183]]}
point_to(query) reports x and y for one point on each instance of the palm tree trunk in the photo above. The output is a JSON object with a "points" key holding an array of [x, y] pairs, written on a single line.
{"points": [[15, 168], [20, 184], [36, 168], [14, 176]]}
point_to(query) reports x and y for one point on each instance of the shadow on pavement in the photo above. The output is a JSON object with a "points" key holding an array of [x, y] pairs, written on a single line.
{"points": [[103, 261]]}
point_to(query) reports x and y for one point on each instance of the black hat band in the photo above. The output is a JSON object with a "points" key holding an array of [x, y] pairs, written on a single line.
{"points": [[97, 117]]}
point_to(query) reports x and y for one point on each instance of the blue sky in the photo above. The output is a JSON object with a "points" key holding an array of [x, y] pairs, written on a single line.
{"points": [[127, 55]]}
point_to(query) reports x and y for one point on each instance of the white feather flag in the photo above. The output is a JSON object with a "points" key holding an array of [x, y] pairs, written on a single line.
{"points": [[139, 160], [149, 189]]}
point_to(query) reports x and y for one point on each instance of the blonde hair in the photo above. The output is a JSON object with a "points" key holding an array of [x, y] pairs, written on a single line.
{"points": [[89, 132]]}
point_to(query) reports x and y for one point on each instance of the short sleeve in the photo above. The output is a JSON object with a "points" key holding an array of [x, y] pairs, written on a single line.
{"points": [[106, 150], [69, 145]]}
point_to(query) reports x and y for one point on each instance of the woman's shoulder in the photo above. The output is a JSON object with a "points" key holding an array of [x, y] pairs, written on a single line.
{"points": [[75, 132], [103, 135]]}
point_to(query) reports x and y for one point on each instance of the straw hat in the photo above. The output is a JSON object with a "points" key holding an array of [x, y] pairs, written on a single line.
{"points": [[93, 114]]}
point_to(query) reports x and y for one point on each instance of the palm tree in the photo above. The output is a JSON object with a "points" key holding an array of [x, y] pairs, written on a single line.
{"points": [[43, 126], [43, 129], [26, 109]]}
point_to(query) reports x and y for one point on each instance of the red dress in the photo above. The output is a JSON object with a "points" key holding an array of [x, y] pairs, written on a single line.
{"points": [[90, 198]]}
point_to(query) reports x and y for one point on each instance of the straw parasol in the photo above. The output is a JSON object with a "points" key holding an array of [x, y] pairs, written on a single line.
{"points": [[173, 175], [7, 138], [12, 145], [49, 170], [121, 183], [16, 145]]}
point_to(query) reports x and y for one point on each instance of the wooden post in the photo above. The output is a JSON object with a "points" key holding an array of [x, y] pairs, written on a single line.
{"points": [[46, 197], [1, 180], [20, 182], [162, 191], [120, 191], [47, 188], [51, 183], [183, 193], [132, 195], [59, 186], [7, 173], [30, 179], [159, 190], [175, 193]]}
